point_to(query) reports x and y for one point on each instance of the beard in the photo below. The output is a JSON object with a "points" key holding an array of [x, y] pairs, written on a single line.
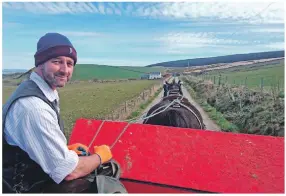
{"points": [[57, 79]]}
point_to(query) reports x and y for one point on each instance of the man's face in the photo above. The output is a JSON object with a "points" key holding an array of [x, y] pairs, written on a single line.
{"points": [[57, 71]]}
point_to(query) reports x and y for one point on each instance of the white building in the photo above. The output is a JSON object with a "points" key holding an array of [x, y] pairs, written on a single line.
{"points": [[155, 75]]}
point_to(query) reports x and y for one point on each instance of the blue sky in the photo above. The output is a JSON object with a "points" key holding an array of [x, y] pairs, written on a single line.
{"points": [[141, 33]]}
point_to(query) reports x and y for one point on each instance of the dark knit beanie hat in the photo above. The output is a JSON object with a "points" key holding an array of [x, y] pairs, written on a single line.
{"points": [[53, 45]]}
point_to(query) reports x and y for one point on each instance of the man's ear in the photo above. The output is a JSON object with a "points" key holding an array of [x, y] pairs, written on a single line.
{"points": [[39, 68]]}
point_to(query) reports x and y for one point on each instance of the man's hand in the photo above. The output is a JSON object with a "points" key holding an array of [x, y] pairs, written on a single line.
{"points": [[88, 164], [80, 149], [103, 152]]}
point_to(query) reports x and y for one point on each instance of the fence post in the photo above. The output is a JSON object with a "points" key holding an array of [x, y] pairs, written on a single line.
{"points": [[245, 82], [214, 79], [125, 106], [278, 86], [261, 84], [143, 95], [219, 78]]}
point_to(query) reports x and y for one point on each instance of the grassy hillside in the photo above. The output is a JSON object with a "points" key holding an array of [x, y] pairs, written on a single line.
{"points": [[92, 100], [252, 76], [103, 72], [221, 59]]}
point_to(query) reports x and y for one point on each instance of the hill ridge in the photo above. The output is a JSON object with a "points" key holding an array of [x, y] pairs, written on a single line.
{"points": [[221, 59]]}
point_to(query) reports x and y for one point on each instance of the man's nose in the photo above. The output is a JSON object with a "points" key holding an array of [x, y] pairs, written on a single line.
{"points": [[64, 67]]}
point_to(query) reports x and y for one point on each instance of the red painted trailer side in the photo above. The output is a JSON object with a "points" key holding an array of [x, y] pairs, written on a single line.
{"points": [[159, 159]]}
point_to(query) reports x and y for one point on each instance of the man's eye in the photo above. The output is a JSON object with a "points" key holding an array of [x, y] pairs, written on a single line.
{"points": [[70, 64]]}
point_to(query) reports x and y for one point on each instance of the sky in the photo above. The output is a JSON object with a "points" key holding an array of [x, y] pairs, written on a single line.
{"points": [[142, 33]]}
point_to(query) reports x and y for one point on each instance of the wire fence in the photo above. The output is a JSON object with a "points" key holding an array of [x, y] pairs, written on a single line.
{"points": [[259, 83], [129, 106]]}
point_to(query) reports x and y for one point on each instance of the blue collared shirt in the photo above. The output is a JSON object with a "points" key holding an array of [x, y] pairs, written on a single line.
{"points": [[32, 125]]}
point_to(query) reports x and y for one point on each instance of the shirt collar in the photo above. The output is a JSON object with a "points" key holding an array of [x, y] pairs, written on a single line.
{"points": [[51, 94]]}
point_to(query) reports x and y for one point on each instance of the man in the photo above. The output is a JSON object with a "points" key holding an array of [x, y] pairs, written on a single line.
{"points": [[166, 87], [34, 146]]}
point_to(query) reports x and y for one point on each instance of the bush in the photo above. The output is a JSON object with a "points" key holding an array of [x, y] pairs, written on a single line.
{"points": [[281, 94], [249, 111]]}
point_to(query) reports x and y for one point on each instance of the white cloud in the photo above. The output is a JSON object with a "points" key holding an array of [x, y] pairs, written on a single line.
{"points": [[101, 8], [91, 6], [80, 33], [129, 8], [268, 30], [115, 62], [55, 7], [109, 11], [114, 8], [253, 12], [120, 5], [12, 24], [177, 41], [275, 45], [181, 43], [11, 61]]}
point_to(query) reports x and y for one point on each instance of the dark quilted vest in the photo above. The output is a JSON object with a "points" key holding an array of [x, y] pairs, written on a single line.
{"points": [[20, 173]]}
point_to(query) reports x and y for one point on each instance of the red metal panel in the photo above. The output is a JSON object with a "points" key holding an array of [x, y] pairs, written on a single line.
{"points": [[196, 159]]}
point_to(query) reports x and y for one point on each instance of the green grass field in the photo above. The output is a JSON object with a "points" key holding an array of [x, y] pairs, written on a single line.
{"points": [[252, 76], [92, 100], [103, 72]]}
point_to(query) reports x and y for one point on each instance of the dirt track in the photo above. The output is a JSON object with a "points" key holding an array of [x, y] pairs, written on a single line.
{"points": [[210, 125]]}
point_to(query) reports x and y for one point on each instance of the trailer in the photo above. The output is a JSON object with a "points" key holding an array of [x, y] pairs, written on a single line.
{"points": [[160, 159]]}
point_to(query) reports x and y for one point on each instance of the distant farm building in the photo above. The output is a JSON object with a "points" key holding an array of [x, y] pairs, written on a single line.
{"points": [[152, 76], [155, 75]]}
